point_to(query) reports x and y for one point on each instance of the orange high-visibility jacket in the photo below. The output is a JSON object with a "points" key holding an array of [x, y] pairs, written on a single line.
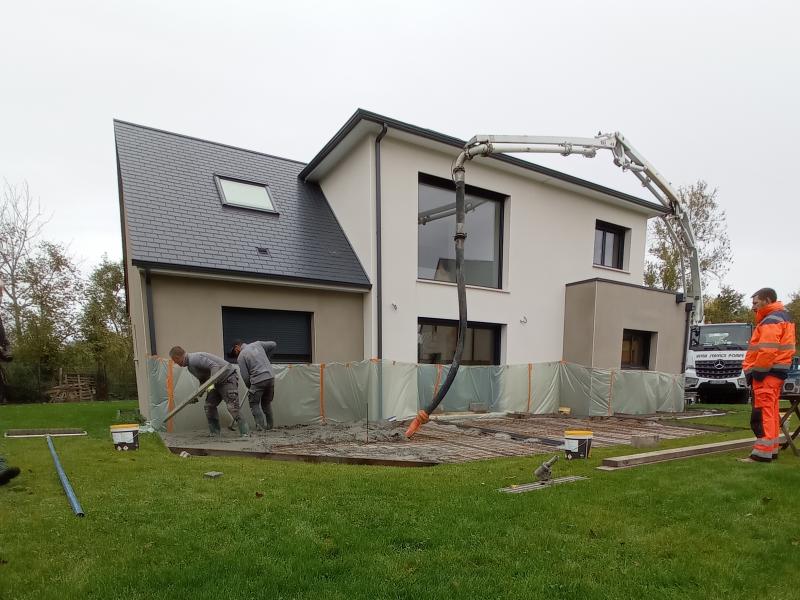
{"points": [[772, 346]]}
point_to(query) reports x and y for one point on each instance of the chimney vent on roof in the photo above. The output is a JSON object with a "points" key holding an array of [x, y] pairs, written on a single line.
{"points": [[263, 250]]}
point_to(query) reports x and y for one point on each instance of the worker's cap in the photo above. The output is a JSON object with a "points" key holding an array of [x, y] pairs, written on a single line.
{"points": [[232, 350]]}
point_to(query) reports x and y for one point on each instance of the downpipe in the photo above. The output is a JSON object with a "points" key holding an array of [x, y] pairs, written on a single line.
{"points": [[423, 416]]}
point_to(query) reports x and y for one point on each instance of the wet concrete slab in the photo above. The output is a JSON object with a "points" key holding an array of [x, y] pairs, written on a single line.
{"points": [[448, 439]]}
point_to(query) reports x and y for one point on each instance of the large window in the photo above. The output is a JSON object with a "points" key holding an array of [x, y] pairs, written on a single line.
{"points": [[290, 329], [436, 226], [635, 349], [244, 194], [436, 342], [609, 245]]}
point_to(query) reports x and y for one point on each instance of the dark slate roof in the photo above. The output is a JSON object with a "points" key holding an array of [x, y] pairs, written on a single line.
{"points": [[176, 220]]}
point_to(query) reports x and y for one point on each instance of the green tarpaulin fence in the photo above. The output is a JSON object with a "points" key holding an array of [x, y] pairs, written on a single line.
{"points": [[378, 390]]}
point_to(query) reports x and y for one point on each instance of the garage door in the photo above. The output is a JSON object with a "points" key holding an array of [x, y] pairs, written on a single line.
{"points": [[290, 329]]}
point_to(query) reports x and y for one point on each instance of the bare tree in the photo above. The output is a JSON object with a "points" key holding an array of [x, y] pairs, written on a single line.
{"points": [[21, 222]]}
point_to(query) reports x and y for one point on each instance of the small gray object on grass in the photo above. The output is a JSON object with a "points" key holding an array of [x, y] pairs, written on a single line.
{"points": [[645, 441], [213, 474], [185, 454]]}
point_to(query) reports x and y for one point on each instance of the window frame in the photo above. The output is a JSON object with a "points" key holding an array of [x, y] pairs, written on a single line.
{"points": [[647, 348], [218, 177], [282, 358], [496, 327], [622, 232], [492, 196]]}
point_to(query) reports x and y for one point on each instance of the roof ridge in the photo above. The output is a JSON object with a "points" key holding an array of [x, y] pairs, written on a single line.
{"points": [[362, 114], [198, 139]]}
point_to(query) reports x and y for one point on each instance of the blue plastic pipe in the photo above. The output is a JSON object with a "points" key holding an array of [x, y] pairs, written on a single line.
{"points": [[73, 499]]}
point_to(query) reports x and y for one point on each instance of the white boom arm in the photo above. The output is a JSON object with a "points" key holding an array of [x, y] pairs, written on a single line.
{"points": [[628, 159]]}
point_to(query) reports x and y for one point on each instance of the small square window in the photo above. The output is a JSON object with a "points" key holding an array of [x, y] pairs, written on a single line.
{"points": [[635, 349], [609, 245], [245, 194]]}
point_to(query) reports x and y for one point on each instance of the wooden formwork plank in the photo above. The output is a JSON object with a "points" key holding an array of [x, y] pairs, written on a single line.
{"points": [[313, 458], [675, 453]]}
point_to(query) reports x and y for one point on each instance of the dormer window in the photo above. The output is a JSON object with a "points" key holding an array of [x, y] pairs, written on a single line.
{"points": [[245, 194]]}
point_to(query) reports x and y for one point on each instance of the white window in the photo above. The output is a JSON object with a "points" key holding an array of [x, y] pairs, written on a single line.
{"points": [[245, 194]]}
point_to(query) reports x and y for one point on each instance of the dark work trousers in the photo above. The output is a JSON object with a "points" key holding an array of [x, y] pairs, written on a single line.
{"points": [[228, 391], [260, 399]]}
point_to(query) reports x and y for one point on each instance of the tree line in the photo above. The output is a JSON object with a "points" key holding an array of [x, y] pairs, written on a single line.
{"points": [[663, 268], [59, 321]]}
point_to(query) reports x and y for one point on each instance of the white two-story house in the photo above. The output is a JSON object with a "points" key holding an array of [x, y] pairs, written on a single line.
{"points": [[350, 256]]}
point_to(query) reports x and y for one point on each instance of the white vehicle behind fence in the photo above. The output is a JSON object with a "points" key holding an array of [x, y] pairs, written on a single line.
{"points": [[791, 387], [714, 362]]}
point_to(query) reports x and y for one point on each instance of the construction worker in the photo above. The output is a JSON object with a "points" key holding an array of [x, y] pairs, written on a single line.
{"points": [[766, 364], [7, 473], [202, 365], [256, 371]]}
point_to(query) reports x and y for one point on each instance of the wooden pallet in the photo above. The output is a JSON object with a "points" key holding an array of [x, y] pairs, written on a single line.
{"points": [[73, 387]]}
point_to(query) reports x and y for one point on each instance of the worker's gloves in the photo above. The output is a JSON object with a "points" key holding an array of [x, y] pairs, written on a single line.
{"points": [[749, 378]]}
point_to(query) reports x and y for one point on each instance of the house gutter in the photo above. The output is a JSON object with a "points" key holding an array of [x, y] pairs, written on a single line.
{"points": [[378, 246], [365, 115], [379, 266]]}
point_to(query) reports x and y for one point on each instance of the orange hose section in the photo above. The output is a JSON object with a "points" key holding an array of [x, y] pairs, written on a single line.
{"points": [[530, 371], [322, 391], [170, 394], [421, 418], [438, 380]]}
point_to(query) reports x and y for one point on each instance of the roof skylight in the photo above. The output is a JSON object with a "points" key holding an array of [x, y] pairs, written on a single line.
{"points": [[245, 194]]}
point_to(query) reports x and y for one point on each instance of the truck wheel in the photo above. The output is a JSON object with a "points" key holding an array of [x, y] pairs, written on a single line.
{"points": [[743, 397]]}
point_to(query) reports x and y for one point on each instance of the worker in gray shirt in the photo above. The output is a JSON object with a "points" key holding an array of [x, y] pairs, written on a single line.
{"points": [[202, 365], [256, 371]]}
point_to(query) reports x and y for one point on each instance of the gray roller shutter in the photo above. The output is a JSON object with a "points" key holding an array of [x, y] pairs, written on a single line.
{"points": [[290, 329]]}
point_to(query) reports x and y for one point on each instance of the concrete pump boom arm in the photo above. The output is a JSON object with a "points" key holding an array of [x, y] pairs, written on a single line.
{"points": [[628, 159]]}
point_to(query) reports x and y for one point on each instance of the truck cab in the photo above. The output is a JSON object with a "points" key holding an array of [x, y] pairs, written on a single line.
{"points": [[791, 387], [714, 362]]}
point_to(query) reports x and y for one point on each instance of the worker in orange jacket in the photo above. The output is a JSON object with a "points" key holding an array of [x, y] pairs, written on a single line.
{"points": [[766, 365]]}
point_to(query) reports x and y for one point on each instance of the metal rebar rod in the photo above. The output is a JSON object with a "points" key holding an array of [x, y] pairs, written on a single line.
{"points": [[73, 499]]}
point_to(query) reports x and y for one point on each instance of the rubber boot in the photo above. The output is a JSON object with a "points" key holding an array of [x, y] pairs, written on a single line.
{"points": [[7, 473], [244, 430], [213, 427], [260, 419], [270, 422]]}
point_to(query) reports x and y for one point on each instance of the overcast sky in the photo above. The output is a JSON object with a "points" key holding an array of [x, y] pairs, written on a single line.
{"points": [[705, 90]]}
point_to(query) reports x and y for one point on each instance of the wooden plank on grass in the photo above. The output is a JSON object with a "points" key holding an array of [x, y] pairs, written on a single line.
{"points": [[310, 458], [644, 458], [26, 433]]}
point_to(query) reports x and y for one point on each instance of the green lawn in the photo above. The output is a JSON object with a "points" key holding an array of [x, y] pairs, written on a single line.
{"points": [[154, 528]]}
